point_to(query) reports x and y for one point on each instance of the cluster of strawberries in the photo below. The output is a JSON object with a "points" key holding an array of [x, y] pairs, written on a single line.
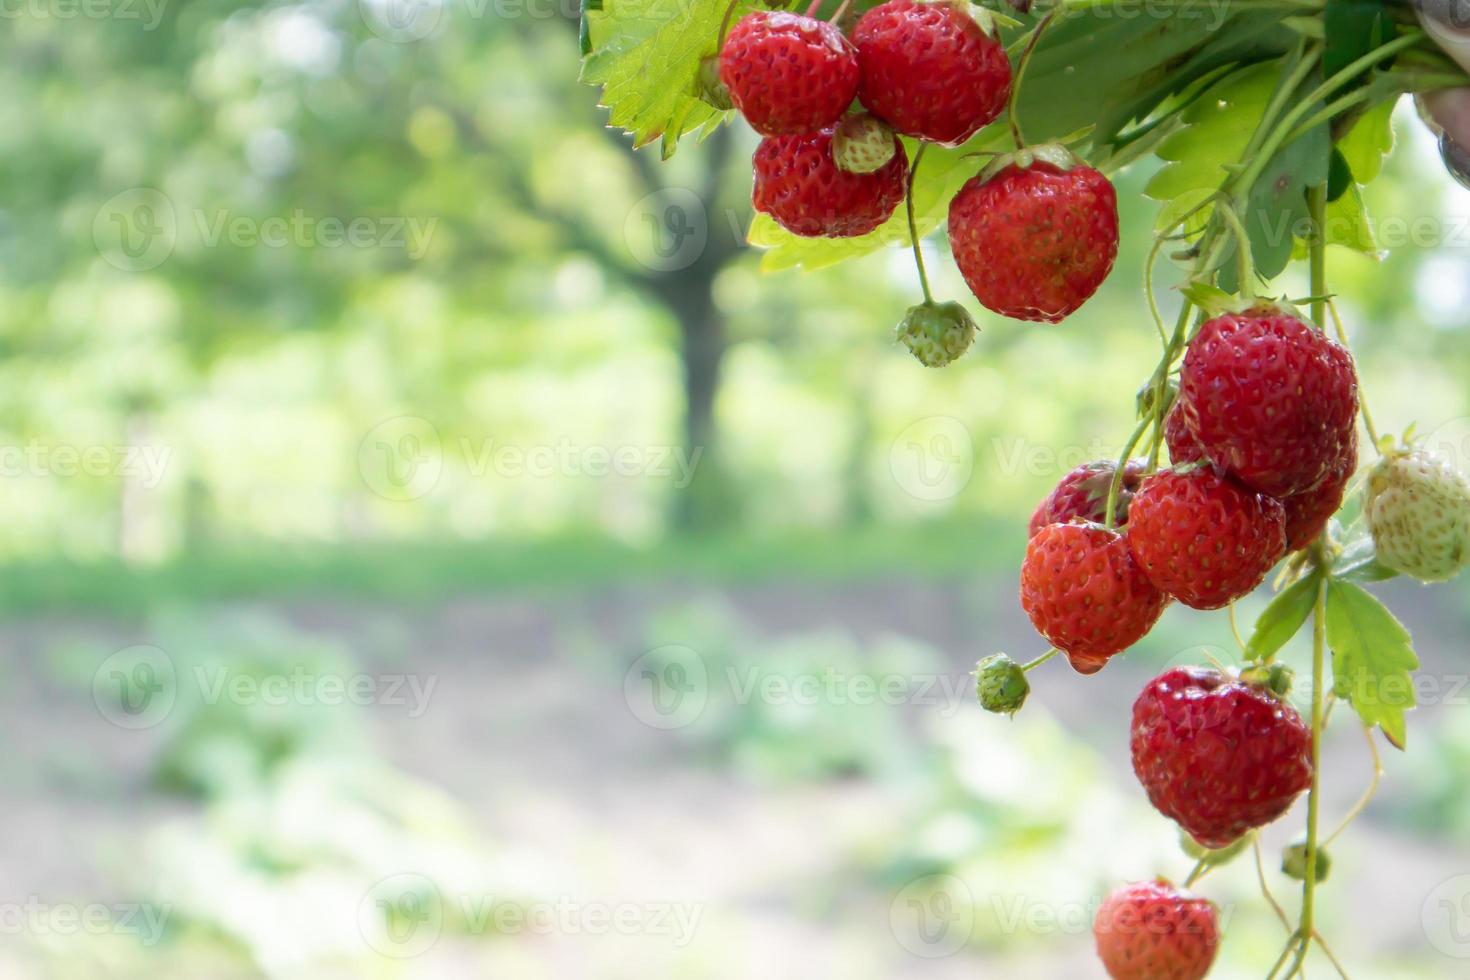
{"points": [[1034, 234], [1264, 442], [1263, 439]]}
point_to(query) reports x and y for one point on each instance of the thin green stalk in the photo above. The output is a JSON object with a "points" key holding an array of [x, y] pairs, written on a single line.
{"points": [[1342, 338], [1263, 154], [1040, 660], [913, 226], [1025, 59], [1317, 209], [1112, 509]]}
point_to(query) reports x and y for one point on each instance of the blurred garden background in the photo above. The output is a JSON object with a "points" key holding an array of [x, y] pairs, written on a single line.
{"points": [[435, 549]]}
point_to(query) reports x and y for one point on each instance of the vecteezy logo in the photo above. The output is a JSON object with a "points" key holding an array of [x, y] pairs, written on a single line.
{"points": [[667, 687], [1446, 917], [401, 916], [932, 916], [933, 459], [1451, 442], [667, 230], [135, 231], [400, 459], [135, 688], [401, 21]]}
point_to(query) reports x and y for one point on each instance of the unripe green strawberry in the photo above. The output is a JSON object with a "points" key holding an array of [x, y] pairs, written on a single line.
{"points": [[1294, 862], [1001, 684], [710, 87], [862, 143], [937, 333], [1418, 508], [1214, 857]]}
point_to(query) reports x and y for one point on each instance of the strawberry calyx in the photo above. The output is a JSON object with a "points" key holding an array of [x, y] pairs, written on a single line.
{"points": [[1053, 154], [1213, 301], [1274, 678]]}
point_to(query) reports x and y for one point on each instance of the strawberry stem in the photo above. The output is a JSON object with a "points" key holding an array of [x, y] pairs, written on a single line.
{"points": [[1021, 64], [842, 9], [816, 5], [1040, 660], [913, 226], [1245, 266], [1317, 209], [725, 25], [1342, 338]]}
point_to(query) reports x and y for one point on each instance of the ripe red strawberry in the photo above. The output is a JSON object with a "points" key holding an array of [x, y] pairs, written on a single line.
{"points": [[1218, 756], [1308, 513], [1183, 446], [1203, 538], [788, 74], [1151, 930], [799, 184], [928, 70], [1034, 243], [1083, 495], [1085, 594], [1270, 399]]}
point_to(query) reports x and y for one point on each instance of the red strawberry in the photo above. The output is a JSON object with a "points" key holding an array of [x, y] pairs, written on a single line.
{"points": [[1034, 243], [1203, 538], [1083, 495], [799, 184], [1270, 399], [928, 70], [1308, 513], [1153, 931], [1216, 755], [1183, 446], [1085, 594], [788, 74]]}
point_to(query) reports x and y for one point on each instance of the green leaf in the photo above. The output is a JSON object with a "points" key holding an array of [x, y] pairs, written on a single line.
{"points": [[1281, 620], [1372, 658], [1368, 142], [1276, 207], [1339, 176], [1348, 223], [1109, 71], [1217, 129], [645, 54], [1351, 29]]}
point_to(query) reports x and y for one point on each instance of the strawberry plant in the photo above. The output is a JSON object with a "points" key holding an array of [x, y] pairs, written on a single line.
{"points": [[1264, 120]]}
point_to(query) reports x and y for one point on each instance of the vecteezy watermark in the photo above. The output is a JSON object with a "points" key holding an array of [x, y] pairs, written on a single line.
{"points": [[933, 459], [138, 687], [402, 458], [1446, 917], [144, 921], [407, 21], [668, 230], [144, 464], [667, 687], [1016, 456], [135, 687], [147, 13], [1451, 441], [1214, 13], [670, 686], [933, 916], [300, 686], [403, 916], [138, 230]]}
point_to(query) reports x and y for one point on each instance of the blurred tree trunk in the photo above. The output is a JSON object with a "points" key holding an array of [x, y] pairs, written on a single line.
{"points": [[709, 501]]}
